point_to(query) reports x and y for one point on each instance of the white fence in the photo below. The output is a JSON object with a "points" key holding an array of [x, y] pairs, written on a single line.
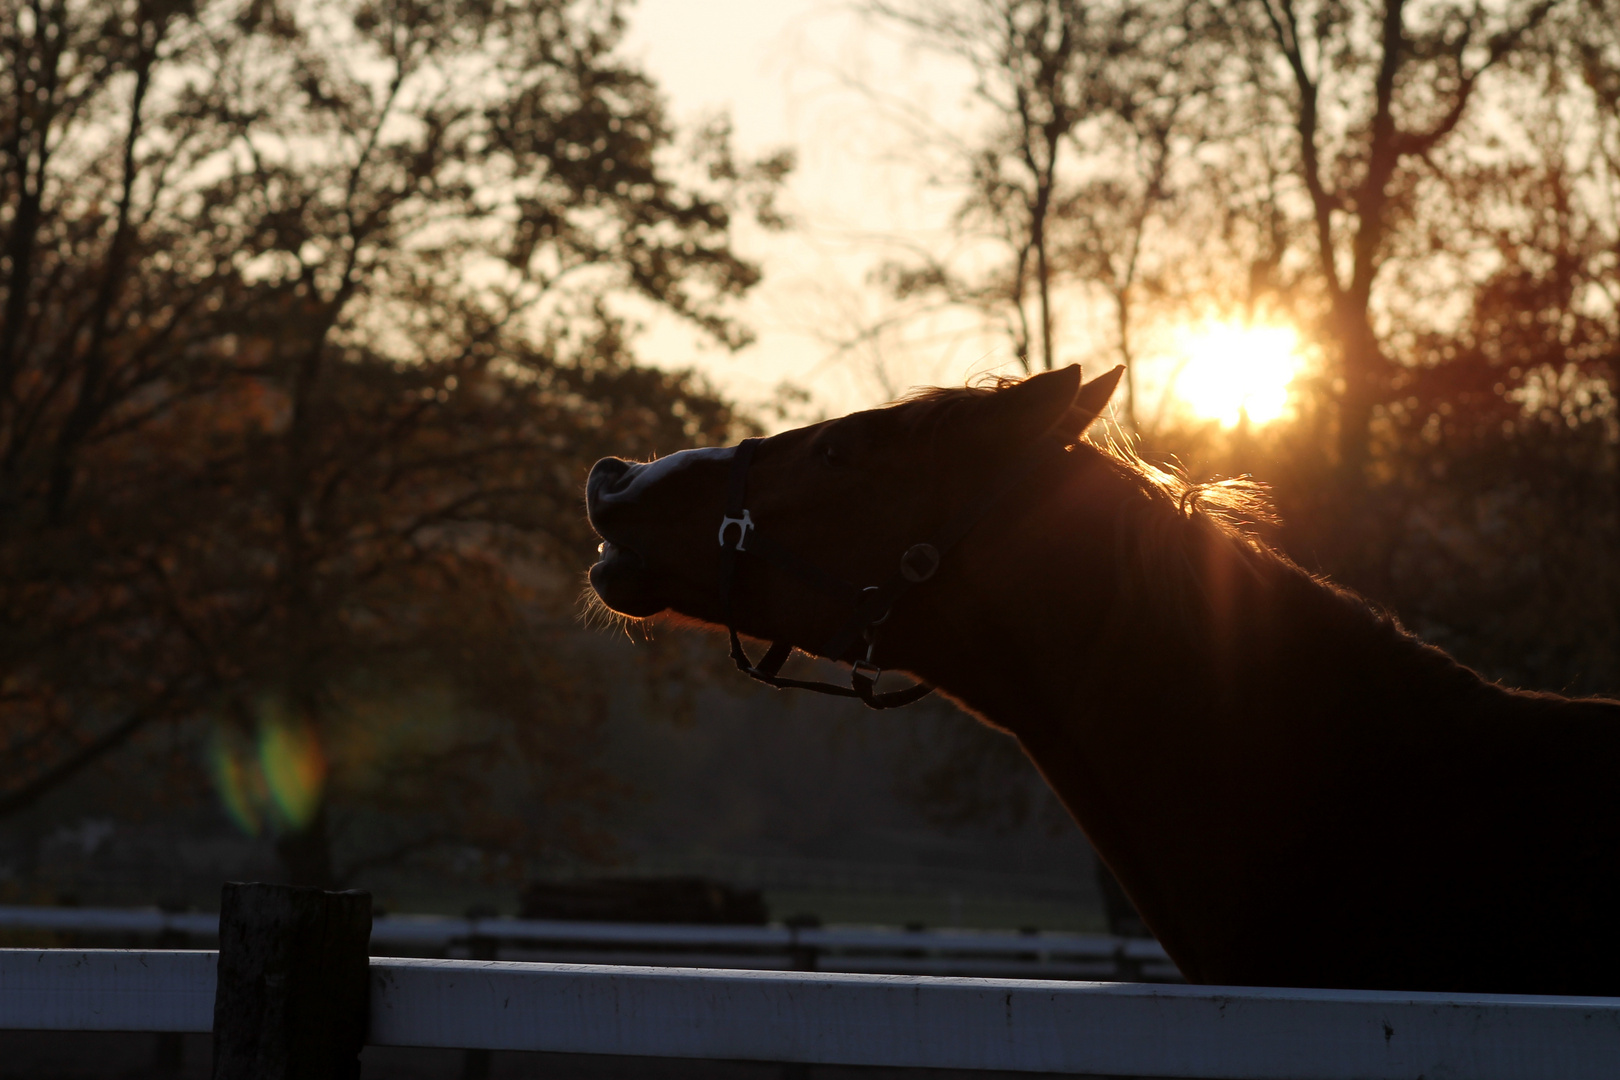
{"points": [[836, 948], [990, 1024]]}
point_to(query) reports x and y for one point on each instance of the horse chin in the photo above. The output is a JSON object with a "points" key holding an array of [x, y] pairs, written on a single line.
{"points": [[624, 583]]}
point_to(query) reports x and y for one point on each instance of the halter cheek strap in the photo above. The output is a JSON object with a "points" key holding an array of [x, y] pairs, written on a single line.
{"points": [[871, 605], [738, 534]]}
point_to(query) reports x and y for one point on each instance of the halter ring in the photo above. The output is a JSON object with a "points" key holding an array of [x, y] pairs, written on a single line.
{"points": [[886, 613]]}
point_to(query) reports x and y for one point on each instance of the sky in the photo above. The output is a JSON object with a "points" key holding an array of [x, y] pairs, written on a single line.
{"points": [[779, 70], [865, 111]]}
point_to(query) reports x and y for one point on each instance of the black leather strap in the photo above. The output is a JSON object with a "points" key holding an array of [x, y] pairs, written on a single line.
{"points": [[737, 522], [880, 600], [872, 604], [862, 685]]}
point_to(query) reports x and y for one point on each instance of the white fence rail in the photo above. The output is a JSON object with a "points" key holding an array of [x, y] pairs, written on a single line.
{"points": [[107, 990], [834, 948], [990, 1024]]}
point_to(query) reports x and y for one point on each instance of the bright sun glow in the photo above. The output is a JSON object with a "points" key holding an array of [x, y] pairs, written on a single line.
{"points": [[1233, 370]]}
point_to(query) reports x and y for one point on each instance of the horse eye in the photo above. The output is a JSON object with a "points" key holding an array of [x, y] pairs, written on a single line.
{"points": [[833, 456]]}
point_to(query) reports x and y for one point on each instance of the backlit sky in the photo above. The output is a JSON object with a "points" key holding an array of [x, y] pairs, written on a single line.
{"points": [[775, 68], [787, 74]]}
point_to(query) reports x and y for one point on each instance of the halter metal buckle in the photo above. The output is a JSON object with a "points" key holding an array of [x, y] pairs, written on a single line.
{"points": [[860, 667], [743, 524]]}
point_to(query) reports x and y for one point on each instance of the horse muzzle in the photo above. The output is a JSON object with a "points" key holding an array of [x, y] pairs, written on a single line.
{"points": [[620, 576], [657, 551]]}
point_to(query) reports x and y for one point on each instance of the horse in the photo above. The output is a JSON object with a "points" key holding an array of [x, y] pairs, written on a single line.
{"points": [[1291, 788]]}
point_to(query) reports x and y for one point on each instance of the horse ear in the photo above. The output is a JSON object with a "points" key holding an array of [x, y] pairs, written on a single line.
{"points": [[1090, 401], [1036, 405]]}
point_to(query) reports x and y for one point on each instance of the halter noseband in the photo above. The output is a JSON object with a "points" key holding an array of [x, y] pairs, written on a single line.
{"points": [[871, 605]]}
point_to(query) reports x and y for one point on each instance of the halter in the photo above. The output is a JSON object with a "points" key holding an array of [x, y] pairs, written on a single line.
{"points": [[870, 605]]}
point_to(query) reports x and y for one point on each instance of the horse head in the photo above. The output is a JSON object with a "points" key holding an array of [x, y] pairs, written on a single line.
{"points": [[809, 538]]}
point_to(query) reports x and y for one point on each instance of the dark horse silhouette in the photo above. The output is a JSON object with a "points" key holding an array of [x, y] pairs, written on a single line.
{"points": [[1293, 790]]}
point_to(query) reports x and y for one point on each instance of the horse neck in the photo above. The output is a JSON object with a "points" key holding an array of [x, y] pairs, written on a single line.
{"points": [[1176, 687], [1103, 590]]}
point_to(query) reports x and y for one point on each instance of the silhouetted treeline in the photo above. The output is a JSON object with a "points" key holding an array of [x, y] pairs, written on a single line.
{"points": [[314, 316]]}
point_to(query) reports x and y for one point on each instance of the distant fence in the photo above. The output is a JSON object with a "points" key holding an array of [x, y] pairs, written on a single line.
{"points": [[1044, 955], [842, 1019]]}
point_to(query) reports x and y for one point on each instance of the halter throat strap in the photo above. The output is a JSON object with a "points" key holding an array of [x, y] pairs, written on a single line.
{"points": [[871, 605]]}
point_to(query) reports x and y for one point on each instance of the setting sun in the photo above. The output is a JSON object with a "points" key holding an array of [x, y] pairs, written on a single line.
{"points": [[1232, 371]]}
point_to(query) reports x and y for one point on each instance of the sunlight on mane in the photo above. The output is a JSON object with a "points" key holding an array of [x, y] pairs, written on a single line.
{"points": [[1240, 504]]}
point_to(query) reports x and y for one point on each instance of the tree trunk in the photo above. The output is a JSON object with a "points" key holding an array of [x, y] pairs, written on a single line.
{"points": [[1361, 359], [1045, 282], [1359, 553]]}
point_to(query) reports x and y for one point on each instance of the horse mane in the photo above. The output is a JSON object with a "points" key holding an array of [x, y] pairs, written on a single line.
{"points": [[1239, 505], [1233, 508], [1186, 548], [1178, 542]]}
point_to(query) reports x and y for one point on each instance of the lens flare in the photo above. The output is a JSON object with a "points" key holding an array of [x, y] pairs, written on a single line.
{"points": [[1235, 371], [236, 776], [294, 770], [274, 781]]}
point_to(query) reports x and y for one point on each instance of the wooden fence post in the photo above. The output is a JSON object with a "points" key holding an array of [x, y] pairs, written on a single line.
{"points": [[294, 986]]}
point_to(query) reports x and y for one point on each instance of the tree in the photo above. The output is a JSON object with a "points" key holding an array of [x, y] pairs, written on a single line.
{"points": [[1373, 93], [1428, 191], [1086, 108], [315, 317]]}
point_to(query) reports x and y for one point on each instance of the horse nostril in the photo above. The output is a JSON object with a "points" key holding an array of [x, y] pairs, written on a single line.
{"points": [[608, 477]]}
